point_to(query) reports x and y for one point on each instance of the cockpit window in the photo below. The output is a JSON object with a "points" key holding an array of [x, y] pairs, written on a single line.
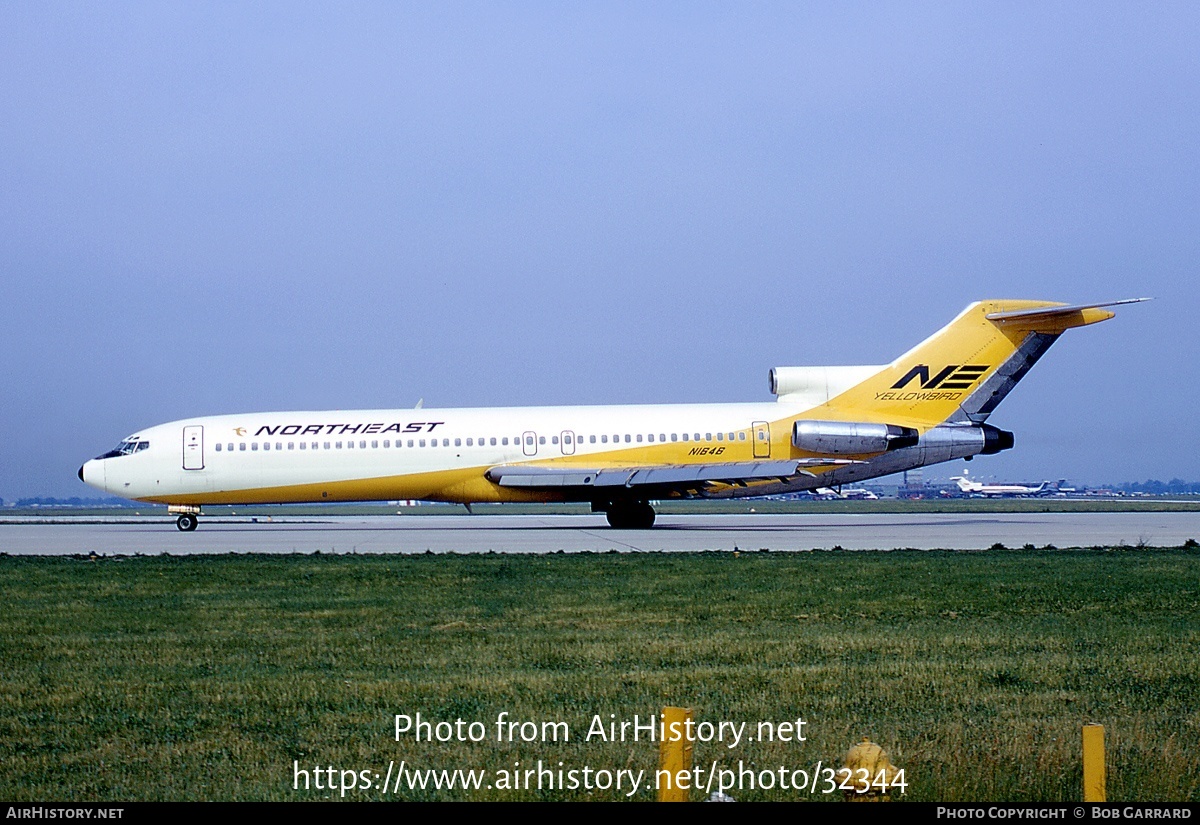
{"points": [[127, 447]]}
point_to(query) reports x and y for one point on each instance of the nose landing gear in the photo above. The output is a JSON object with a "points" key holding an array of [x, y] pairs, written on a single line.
{"points": [[189, 516]]}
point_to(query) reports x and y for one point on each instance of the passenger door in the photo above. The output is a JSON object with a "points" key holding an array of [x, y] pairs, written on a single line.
{"points": [[762, 439], [193, 447]]}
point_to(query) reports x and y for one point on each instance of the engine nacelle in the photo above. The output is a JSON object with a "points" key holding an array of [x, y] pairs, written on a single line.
{"points": [[995, 440], [951, 441], [851, 437], [812, 386]]}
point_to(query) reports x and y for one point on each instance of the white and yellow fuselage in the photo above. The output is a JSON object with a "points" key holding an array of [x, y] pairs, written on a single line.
{"points": [[828, 425], [428, 454]]}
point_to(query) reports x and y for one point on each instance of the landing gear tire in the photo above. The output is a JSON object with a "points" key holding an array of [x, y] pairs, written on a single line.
{"points": [[631, 515], [187, 522]]}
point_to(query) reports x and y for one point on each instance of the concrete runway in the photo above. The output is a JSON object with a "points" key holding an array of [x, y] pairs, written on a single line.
{"points": [[549, 534]]}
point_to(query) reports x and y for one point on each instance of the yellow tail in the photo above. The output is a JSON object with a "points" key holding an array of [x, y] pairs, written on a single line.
{"points": [[963, 371]]}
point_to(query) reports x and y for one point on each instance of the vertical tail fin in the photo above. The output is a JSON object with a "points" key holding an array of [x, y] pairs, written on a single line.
{"points": [[961, 372]]}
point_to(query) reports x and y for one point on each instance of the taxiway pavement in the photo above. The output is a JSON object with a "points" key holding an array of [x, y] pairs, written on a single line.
{"points": [[580, 533]]}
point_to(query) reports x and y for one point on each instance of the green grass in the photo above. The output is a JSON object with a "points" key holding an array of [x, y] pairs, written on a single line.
{"points": [[205, 677]]}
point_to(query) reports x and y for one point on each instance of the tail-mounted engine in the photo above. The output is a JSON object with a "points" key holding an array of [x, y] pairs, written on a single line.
{"points": [[851, 437], [943, 443]]}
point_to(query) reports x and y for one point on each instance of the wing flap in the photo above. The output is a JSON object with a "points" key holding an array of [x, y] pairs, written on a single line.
{"points": [[685, 475]]}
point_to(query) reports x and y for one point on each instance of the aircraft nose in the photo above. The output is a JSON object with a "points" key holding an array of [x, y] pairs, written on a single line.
{"points": [[92, 472]]}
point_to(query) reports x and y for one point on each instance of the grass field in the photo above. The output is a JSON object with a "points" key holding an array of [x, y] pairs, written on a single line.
{"points": [[207, 677]]}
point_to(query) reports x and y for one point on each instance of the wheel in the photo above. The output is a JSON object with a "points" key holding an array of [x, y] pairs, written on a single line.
{"points": [[187, 522], [643, 516], [631, 515]]}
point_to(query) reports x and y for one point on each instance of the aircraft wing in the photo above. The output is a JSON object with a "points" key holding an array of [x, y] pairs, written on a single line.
{"points": [[682, 476]]}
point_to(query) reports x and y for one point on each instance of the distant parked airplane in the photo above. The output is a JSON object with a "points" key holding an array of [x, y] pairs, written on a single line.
{"points": [[994, 490], [850, 493]]}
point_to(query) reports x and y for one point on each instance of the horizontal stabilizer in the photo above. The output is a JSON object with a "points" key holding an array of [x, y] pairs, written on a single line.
{"points": [[1046, 313]]}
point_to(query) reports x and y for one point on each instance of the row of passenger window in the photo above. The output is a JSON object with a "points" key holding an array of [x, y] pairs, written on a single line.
{"points": [[494, 441]]}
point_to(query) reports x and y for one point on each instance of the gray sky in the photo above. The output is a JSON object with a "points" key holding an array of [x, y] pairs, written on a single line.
{"points": [[212, 208]]}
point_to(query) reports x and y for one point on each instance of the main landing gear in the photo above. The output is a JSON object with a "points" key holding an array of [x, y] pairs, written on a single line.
{"points": [[189, 516], [628, 515]]}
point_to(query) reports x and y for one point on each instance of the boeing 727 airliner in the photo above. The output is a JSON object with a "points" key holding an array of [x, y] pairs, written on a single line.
{"points": [[827, 426], [975, 488]]}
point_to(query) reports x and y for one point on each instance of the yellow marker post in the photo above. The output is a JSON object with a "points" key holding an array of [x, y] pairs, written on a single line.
{"points": [[674, 757], [1093, 763]]}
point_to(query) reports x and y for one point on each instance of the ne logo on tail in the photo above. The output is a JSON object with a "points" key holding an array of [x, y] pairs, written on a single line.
{"points": [[952, 377]]}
